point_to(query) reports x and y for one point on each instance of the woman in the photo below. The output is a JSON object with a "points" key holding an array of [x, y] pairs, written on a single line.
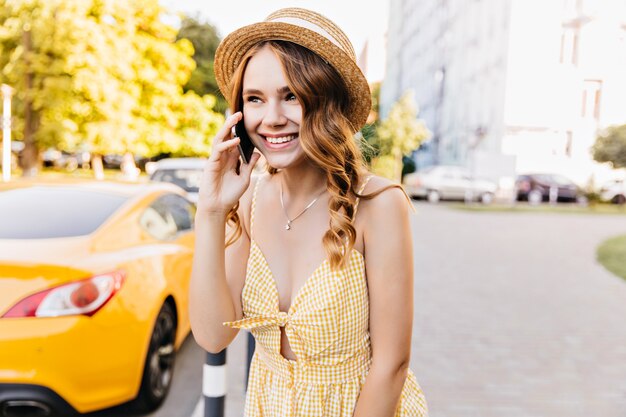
{"points": [[332, 340]]}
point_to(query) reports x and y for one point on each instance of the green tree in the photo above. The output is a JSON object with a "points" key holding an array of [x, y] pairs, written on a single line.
{"points": [[610, 147], [40, 58], [369, 139], [103, 75], [205, 40], [397, 135]]}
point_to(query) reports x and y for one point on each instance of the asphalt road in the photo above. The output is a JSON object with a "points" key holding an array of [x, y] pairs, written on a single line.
{"points": [[513, 318]]}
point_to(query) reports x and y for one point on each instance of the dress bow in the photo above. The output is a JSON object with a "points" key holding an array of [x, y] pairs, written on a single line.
{"points": [[279, 319]]}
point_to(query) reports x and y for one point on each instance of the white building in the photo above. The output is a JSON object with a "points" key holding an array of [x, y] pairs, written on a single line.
{"points": [[511, 85]]}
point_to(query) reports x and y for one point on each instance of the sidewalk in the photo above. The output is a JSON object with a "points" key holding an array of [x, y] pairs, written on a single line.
{"points": [[514, 317]]}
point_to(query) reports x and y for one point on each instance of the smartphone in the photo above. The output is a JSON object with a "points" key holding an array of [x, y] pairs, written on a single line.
{"points": [[246, 148]]}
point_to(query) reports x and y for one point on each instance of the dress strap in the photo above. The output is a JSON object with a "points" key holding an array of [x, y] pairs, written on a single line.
{"points": [[253, 206], [356, 203]]}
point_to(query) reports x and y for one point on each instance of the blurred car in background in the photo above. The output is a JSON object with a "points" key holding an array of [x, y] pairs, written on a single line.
{"points": [[115, 161], [443, 182], [54, 158], [614, 192], [93, 294], [536, 188], [184, 172]]}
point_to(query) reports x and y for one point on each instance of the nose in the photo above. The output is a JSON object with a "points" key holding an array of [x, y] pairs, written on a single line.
{"points": [[274, 116]]}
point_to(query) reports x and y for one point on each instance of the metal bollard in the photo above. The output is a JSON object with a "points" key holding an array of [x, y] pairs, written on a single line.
{"points": [[251, 346], [214, 384]]}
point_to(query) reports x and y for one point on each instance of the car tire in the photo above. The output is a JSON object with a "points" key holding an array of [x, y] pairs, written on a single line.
{"points": [[619, 199], [159, 364], [486, 198], [433, 196], [535, 197]]}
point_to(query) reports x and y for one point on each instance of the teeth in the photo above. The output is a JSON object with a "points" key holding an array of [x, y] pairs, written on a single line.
{"points": [[282, 139]]}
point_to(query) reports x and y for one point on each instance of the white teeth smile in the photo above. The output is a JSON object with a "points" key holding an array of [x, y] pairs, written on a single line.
{"points": [[281, 139]]}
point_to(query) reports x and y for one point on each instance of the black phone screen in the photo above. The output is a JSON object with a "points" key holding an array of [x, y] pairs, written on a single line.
{"points": [[246, 148]]}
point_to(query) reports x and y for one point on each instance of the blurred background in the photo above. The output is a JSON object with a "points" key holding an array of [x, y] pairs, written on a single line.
{"points": [[505, 121]]}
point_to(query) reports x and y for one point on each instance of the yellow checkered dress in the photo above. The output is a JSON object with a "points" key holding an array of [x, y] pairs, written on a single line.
{"points": [[327, 329]]}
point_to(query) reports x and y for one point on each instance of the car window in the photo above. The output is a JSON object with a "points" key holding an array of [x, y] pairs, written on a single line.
{"points": [[447, 173], [546, 179], [167, 216], [182, 211], [561, 180], [454, 173], [186, 178], [53, 212]]}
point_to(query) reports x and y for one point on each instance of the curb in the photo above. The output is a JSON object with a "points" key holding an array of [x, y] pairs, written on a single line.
{"points": [[199, 410]]}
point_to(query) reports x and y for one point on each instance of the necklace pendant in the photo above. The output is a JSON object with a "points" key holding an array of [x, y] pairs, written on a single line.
{"points": [[288, 226]]}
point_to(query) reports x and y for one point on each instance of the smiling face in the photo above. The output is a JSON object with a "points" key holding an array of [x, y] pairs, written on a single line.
{"points": [[271, 112]]}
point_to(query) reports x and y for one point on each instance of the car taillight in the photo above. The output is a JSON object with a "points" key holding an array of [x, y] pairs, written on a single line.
{"points": [[83, 297]]}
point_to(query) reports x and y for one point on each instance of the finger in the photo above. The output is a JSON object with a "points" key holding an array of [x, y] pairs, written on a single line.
{"points": [[232, 157], [220, 148], [224, 133], [228, 144]]}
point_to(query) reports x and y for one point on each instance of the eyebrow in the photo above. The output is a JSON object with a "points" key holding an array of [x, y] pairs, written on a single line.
{"points": [[282, 90]]}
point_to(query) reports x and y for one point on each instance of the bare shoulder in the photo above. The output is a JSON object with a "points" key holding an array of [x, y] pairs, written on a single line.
{"points": [[392, 198]]}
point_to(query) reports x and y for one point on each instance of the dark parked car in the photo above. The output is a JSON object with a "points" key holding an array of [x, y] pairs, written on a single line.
{"points": [[114, 161], [536, 188]]}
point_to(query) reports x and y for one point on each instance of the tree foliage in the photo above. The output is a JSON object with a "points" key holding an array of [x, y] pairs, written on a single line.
{"points": [[103, 75], [610, 147], [399, 134], [205, 40]]}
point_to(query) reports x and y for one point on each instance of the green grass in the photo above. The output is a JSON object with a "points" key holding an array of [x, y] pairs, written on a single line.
{"points": [[544, 208], [612, 255]]}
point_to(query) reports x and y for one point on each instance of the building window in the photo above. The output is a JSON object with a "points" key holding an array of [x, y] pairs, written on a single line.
{"points": [[569, 46], [592, 91], [568, 143]]}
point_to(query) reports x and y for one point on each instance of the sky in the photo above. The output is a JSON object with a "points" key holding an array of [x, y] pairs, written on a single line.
{"points": [[363, 21]]}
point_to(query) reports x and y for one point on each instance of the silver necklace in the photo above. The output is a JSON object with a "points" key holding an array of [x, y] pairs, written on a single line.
{"points": [[282, 203]]}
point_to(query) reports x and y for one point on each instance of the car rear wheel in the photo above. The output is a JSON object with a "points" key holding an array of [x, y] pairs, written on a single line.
{"points": [[433, 196], [486, 198], [535, 197], [619, 199], [159, 366]]}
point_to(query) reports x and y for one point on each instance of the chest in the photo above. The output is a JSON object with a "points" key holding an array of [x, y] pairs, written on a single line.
{"points": [[293, 256]]}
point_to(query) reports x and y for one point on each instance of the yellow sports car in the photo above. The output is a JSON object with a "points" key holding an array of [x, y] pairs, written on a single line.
{"points": [[93, 294]]}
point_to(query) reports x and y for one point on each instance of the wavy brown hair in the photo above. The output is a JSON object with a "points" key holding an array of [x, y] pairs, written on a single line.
{"points": [[327, 138]]}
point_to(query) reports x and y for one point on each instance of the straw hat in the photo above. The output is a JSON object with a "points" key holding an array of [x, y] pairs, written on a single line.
{"points": [[310, 30]]}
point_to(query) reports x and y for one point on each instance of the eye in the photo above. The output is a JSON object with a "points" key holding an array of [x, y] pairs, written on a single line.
{"points": [[252, 99], [291, 97]]}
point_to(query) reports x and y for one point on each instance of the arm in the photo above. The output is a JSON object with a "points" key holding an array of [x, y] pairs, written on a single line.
{"points": [[389, 266], [218, 273]]}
